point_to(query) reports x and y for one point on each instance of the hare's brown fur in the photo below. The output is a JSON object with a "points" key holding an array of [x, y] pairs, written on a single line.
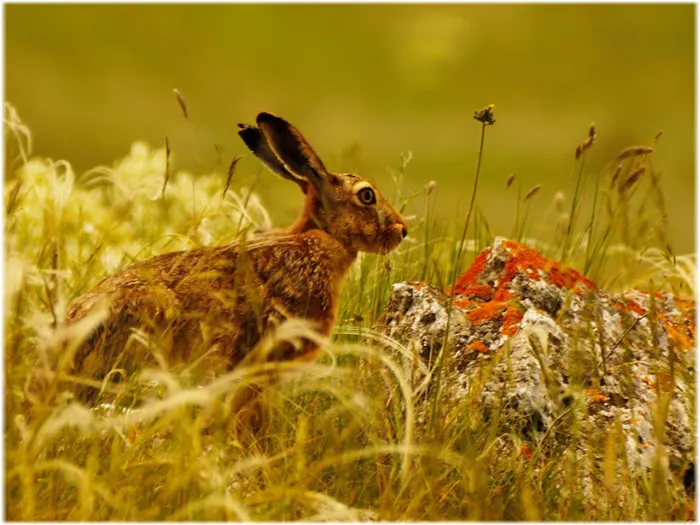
{"points": [[220, 301]]}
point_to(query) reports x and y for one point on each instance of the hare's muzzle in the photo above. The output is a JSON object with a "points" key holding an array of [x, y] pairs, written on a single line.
{"points": [[401, 228], [397, 231]]}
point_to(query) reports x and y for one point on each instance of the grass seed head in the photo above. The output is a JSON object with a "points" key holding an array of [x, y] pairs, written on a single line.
{"points": [[229, 178], [181, 102], [166, 178], [632, 179], [616, 175], [634, 151], [485, 116], [532, 192]]}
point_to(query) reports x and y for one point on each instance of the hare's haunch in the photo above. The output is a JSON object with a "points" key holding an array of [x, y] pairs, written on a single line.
{"points": [[219, 301]]}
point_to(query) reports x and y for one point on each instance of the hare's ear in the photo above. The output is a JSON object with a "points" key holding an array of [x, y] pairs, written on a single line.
{"points": [[292, 149], [255, 140]]}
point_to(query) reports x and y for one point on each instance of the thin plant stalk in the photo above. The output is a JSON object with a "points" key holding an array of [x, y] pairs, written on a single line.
{"points": [[456, 264]]}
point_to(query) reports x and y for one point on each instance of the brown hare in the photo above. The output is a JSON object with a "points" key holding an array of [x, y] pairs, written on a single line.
{"points": [[220, 301]]}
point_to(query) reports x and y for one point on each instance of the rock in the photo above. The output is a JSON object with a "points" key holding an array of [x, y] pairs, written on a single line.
{"points": [[530, 338]]}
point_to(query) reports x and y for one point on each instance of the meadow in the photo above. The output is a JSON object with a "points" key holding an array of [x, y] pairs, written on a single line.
{"points": [[338, 439], [389, 92]]}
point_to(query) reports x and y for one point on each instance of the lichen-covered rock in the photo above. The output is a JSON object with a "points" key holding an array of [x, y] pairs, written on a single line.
{"points": [[533, 338]]}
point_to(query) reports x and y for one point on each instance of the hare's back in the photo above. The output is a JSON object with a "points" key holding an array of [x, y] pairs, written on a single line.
{"points": [[146, 280]]}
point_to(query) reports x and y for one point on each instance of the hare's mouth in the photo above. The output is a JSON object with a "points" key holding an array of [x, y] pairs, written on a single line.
{"points": [[389, 243]]}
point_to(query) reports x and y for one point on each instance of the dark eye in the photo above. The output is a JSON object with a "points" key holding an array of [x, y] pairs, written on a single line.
{"points": [[367, 196]]}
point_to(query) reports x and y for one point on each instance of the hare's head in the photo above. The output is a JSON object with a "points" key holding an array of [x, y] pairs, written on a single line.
{"points": [[345, 206]]}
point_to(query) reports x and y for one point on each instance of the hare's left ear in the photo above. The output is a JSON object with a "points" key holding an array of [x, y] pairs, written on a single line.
{"points": [[292, 149], [255, 140]]}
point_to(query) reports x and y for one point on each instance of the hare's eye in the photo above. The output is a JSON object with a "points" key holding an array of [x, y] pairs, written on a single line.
{"points": [[367, 196]]}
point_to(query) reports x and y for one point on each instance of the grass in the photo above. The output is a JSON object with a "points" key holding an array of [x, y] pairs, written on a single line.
{"points": [[345, 438]]}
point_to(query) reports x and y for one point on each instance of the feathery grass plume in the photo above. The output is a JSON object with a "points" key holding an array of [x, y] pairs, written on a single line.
{"points": [[559, 199], [510, 180], [181, 102], [20, 132]]}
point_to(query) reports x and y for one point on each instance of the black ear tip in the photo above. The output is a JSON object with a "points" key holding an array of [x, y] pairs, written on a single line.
{"points": [[250, 135]]}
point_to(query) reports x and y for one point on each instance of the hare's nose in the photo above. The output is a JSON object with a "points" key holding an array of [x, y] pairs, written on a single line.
{"points": [[404, 231]]}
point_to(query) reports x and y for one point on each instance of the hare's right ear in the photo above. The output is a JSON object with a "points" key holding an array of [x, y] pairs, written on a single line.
{"points": [[292, 149], [255, 140]]}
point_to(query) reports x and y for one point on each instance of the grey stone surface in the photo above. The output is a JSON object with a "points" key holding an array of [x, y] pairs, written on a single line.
{"points": [[533, 340]]}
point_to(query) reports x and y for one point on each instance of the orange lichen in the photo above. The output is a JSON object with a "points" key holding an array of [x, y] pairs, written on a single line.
{"points": [[510, 331], [647, 380], [505, 312], [626, 305], [479, 291], [531, 262], [526, 452], [689, 512], [463, 303], [478, 346], [471, 276], [595, 395], [511, 320], [617, 304], [503, 294], [632, 305], [486, 312], [664, 379], [681, 332], [677, 336], [131, 436], [483, 303]]}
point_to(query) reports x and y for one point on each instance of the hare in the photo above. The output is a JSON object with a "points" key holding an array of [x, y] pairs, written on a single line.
{"points": [[220, 301]]}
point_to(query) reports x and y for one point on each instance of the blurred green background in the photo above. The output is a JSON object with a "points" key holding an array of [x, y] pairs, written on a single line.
{"points": [[376, 80]]}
